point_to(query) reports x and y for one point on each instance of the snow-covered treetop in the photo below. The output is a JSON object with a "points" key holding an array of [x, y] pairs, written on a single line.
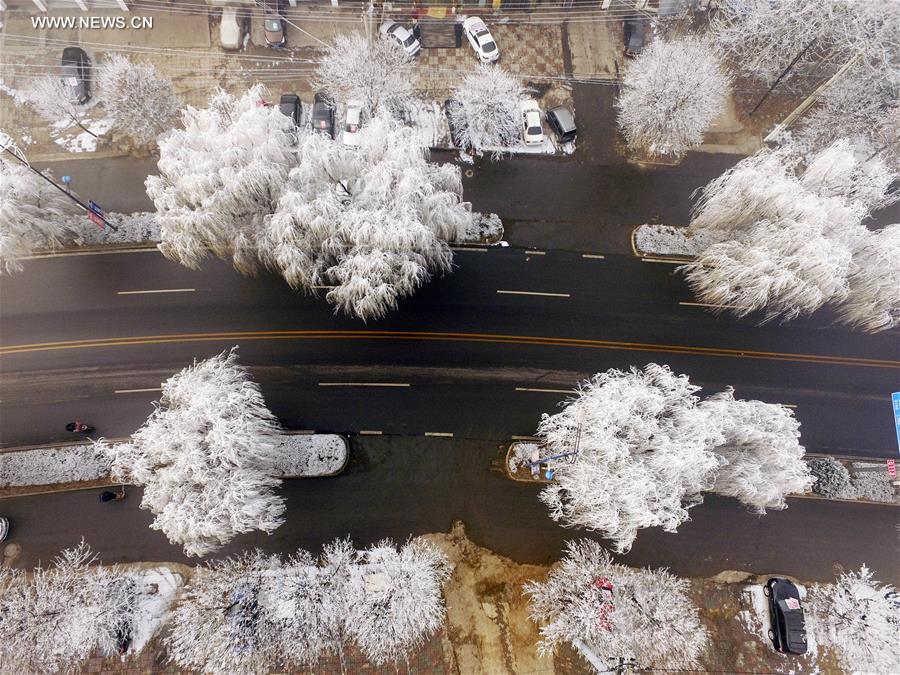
{"points": [[624, 615], [671, 94], [372, 220], [204, 456], [859, 618], [873, 297], [377, 74], [141, 102], [484, 110], [32, 215], [220, 176], [638, 448]]}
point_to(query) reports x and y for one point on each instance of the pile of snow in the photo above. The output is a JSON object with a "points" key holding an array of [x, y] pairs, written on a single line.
{"points": [[47, 466], [832, 479], [669, 240], [74, 139], [522, 454], [871, 481], [486, 228], [158, 588], [309, 455]]}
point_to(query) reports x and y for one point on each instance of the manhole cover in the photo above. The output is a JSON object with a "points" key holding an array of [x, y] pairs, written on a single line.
{"points": [[469, 173]]}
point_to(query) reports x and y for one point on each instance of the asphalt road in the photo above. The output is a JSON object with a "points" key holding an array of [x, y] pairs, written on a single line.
{"points": [[397, 487], [464, 354]]}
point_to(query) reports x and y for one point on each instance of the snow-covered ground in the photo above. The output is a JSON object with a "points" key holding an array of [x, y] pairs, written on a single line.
{"points": [[157, 590], [668, 240], [304, 456], [75, 139]]}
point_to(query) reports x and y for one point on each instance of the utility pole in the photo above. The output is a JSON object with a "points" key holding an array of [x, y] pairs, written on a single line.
{"points": [[19, 157], [811, 99], [780, 77]]}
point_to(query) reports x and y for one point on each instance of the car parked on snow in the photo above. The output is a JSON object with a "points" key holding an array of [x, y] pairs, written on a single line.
{"points": [[230, 29], [481, 39], [788, 625], [323, 115], [352, 123], [4, 527], [562, 121], [273, 25], [291, 106], [532, 132], [392, 30], [634, 36], [76, 74]]}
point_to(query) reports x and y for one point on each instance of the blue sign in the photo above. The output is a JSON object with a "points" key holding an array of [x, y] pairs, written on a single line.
{"points": [[895, 399], [96, 208]]}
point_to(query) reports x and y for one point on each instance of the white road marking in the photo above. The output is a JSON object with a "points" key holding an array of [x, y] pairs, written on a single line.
{"points": [[706, 304], [158, 290], [324, 287], [789, 405], [304, 432], [527, 252], [136, 391], [468, 248], [593, 256], [665, 261], [363, 384], [368, 432], [525, 438], [70, 254], [548, 295], [441, 434], [546, 391]]}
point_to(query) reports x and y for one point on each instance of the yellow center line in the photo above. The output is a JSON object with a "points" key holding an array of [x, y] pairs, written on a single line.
{"points": [[447, 337]]}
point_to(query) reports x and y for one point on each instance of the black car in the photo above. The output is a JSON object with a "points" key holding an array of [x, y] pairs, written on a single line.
{"points": [[323, 115], [562, 122], [76, 74], [634, 36], [291, 106], [788, 631]]}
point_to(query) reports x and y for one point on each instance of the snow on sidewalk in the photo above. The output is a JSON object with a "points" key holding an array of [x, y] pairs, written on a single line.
{"points": [[304, 456], [667, 240], [157, 588]]}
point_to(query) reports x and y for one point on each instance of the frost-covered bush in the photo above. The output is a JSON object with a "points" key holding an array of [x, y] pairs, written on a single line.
{"points": [[671, 94], [873, 485], [33, 215], [204, 457], [832, 479], [641, 616], [483, 111]]}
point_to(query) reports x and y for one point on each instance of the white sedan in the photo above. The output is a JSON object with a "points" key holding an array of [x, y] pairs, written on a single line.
{"points": [[394, 31], [352, 123], [481, 40], [532, 132]]}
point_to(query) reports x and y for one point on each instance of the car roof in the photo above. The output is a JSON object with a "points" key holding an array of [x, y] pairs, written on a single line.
{"points": [[564, 116], [73, 53], [353, 115], [474, 23]]}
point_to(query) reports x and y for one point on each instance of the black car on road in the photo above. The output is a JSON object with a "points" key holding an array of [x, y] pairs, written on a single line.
{"points": [[788, 631], [76, 74]]}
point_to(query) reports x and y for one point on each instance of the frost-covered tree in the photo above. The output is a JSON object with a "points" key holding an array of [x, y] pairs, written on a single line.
{"points": [[873, 296], [638, 448], [762, 451], [483, 111], [204, 457], [50, 98], [783, 239], [372, 221], [220, 176], [33, 215], [378, 74], [641, 617], [832, 480], [671, 94], [859, 618], [141, 103], [396, 602], [58, 616]]}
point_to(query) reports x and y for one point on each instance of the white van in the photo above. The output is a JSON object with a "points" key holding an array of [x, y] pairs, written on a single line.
{"points": [[230, 29]]}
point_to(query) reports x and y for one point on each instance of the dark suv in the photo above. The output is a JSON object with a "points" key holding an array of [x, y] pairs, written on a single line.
{"points": [[788, 631], [290, 106], [76, 74], [323, 115], [562, 121]]}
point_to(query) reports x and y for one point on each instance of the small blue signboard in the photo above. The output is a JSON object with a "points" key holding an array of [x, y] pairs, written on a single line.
{"points": [[895, 400], [96, 214]]}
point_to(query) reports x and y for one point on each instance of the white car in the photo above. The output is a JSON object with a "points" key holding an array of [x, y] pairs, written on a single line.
{"points": [[532, 131], [394, 31], [352, 123], [481, 40], [229, 29], [4, 527]]}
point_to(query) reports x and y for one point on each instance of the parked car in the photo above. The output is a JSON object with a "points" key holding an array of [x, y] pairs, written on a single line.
{"points": [[76, 74], [291, 106], [532, 132], [788, 631], [634, 36], [273, 25], [352, 123], [323, 115], [481, 40], [562, 121], [392, 30], [4, 527], [230, 29]]}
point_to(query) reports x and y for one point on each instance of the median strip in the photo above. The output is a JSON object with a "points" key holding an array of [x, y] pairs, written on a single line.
{"points": [[158, 290], [547, 295]]}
